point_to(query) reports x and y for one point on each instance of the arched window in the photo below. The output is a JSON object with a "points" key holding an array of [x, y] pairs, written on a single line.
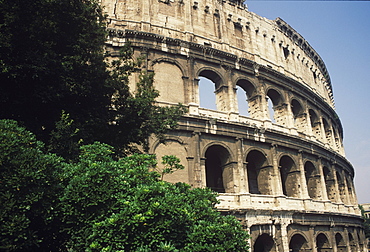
{"points": [[245, 90], [264, 243], [312, 180], [299, 118], [298, 243], [315, 124], [258, 173], [341, 187], [328, 132], [219, 94], [290, 177], [218, 168], [207, 98], [329, 184], [322, 243], [341, 245], [273, 102]]}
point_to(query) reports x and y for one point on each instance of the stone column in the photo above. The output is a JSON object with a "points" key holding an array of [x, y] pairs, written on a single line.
{"points": [[276, 178], [243, 181], [198, 178], [303, 189], [312, 239], [337, 195], [284, 235]]}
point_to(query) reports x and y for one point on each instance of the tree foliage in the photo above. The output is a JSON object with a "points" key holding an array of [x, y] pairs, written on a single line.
{"points": [[29, 187], [97, 203], [53, 64]]}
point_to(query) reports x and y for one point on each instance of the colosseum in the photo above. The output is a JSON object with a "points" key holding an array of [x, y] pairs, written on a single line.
{"points": [[280, 166]]}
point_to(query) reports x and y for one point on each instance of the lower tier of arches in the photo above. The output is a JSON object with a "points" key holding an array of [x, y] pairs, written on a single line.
{"points": [[280, 231]]}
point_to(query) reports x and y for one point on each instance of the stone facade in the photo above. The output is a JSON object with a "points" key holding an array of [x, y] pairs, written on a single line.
{"points": [[281, 170]]}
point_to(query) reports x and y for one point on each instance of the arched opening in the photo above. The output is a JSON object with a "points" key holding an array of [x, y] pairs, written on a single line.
{"points": [[264, 243], [258, 173], [341, 245], [218, 168], [299, 118], [207, 98], [289, 177], [245, 90], [328, 132], [341, 187], [312, 180], [315, 124], [350, 190], [337, 139], [352, 242], [322, 243], [329, 184], [274, 110], [218, 95], [298, 244]]}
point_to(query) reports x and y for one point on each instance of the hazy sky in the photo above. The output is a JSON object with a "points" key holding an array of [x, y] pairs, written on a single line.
{"points": [[339, 31]]}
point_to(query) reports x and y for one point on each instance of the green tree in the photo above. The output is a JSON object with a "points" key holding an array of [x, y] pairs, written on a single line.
{"points": [[29, 187], [53, 64], [97, 203], [122, 206]]}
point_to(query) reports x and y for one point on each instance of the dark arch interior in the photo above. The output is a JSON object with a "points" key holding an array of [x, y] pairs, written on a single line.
{"points": [[255, 161], [274, 96], [313, 117], [311, 179], [296, 108], [288, 176], [216, 158], [214, 77], [322, 243], [248, 87], [297, 243], [264, 243]]}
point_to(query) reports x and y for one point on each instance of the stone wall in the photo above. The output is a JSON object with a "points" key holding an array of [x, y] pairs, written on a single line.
{"points": [[282, 169]]}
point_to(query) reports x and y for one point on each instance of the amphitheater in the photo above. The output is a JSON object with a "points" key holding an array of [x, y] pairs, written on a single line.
{"points": [[280, 169]]}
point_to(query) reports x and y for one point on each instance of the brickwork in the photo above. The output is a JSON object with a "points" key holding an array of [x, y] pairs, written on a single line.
{"points": [[281, 170]]}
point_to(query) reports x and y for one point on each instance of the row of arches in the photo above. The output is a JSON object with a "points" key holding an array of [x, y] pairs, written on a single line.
{"points": [[225, 90], [269, 103], [296, 178], [299, 243]]}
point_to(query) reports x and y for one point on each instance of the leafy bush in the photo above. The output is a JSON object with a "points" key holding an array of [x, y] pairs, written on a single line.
{"points": [[28, 189]]}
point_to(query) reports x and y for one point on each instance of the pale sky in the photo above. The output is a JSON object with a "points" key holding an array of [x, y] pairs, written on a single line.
{"points": [[339, 31]]}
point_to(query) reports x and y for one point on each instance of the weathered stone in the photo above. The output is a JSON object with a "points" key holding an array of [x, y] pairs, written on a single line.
{"points": [[280, 170]]}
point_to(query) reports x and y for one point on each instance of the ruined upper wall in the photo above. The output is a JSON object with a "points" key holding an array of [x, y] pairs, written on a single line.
{"points": [[227, 26]]}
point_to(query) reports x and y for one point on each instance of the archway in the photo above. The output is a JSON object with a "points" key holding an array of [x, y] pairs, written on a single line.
{"points": [[245, 90], [219, 99], [258, 173], [289, 177], [298, 244], [275, 111], [315, 124], [207, 98], [329, 184], [322, 243], [299, 118], [341, 187], [328, 133], [218, 168], [312, 180], [339, 241], [264, 243]]}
